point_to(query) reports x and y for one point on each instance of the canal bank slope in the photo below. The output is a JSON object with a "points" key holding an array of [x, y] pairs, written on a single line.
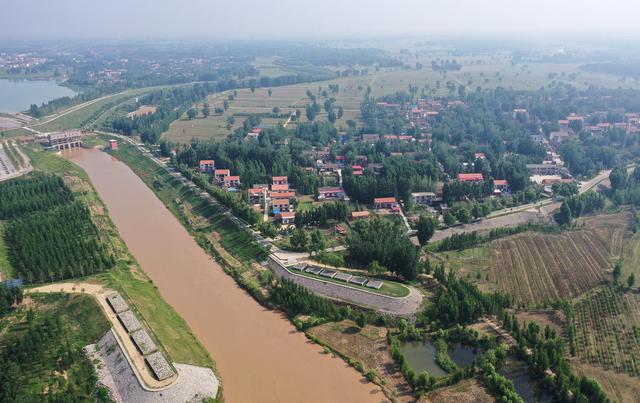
{"points": [[260, 355]]}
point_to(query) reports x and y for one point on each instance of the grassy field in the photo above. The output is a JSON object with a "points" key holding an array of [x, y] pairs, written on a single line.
{"points": [[538, 267], [631, 257], [169, 328], [608, 329], [618, 386], [287, 98]]}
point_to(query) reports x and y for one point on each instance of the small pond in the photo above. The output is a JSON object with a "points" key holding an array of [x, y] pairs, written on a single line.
{"points": [[526, 387], [421, 356], [462, 355]]}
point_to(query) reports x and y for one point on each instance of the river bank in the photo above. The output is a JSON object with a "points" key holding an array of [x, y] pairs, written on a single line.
{"points": [[260, 355]]}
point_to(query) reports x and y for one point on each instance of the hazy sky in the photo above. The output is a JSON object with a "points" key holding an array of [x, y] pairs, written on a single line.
{"points": [[255, 19]]}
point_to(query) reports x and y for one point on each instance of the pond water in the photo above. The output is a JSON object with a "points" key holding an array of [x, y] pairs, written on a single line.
{"points": [[462, 355], [421, 356], [260, 355], [18, 95], [527, 388]]}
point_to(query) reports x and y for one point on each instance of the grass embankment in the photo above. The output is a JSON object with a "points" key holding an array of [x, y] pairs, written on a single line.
{"points": [[188, 206], [388, 287], [169, 328]]}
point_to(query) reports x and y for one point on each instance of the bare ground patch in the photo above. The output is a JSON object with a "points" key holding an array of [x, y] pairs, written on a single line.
{"points": [[368, 346]]}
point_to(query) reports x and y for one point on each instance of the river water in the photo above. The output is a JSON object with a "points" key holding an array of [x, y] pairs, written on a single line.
{"points": [[259, 354], [18, 95]]}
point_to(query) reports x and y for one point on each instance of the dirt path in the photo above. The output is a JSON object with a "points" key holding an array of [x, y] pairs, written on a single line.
{"points": [[133, 355]]}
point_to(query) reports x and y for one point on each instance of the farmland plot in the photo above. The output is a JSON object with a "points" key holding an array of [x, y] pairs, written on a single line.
{"points": [[608, 330], [537, 267]]}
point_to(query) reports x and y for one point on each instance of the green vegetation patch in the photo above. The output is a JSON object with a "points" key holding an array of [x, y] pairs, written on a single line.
{"points": [[41, 351]]}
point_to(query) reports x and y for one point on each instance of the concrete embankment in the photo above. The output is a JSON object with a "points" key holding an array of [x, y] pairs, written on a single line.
{"points": [[400, 306]]}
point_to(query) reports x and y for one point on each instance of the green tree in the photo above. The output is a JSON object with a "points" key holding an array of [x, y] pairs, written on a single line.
{"points": [[311, 112], [426, 227], [565, 216], [463, 215], [361, 320], [299, 238], [449, 217], [340, 112], [230, 122], [276, 110], [269, 92], [331, 117], [225, 105], [192, 113], [317, 241], [376, 268], [631, 280], [617, 272], [205, 110]]}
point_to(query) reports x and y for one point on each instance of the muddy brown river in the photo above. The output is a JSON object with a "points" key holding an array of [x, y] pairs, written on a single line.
{"points": [[261, 357]]}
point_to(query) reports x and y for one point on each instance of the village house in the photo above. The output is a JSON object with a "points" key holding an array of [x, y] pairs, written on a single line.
{"points": [[280, 187], [280, 205], [331, 193], [356, 169], [256, 195], [370, 138], [500, 186], [220, 174], [279, 180], [473, 177], [423, 198], [207, 166], [359, 215], [559, 137], [289, 195], [389, 203], [286, 217], [230, 182], [113, 144], [546, 169]]}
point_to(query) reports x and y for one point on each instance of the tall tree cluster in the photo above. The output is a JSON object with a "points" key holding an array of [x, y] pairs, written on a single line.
{"points": [[385, 242], [50, 234]]}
